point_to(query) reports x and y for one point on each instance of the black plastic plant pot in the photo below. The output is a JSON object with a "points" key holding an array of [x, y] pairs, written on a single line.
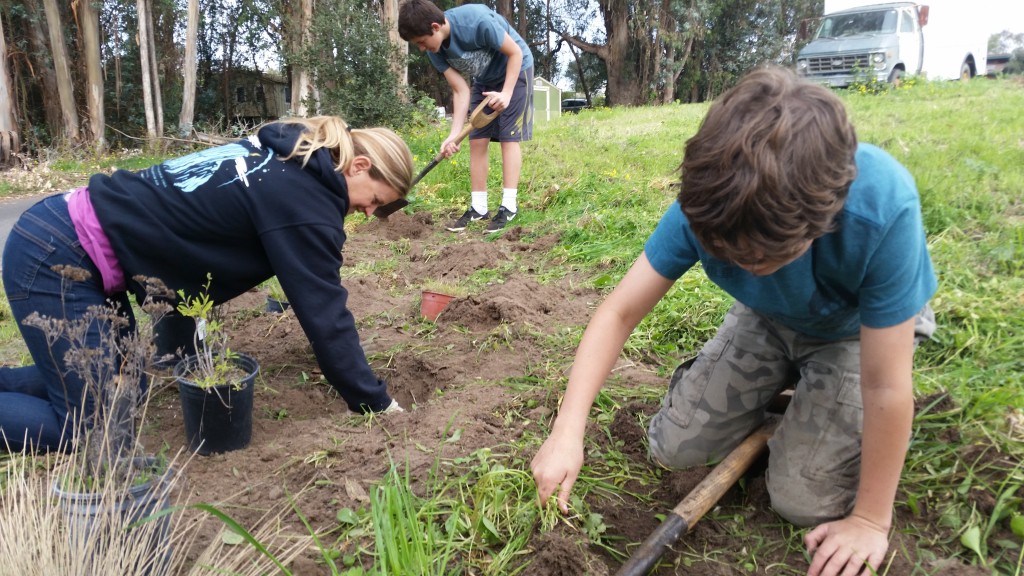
{"points": [[219, 418], [275, 306], [173, 337]]}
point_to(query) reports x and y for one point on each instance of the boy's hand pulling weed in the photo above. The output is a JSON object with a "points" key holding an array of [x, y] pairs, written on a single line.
{"points": [[845, 546], [557, 463]]}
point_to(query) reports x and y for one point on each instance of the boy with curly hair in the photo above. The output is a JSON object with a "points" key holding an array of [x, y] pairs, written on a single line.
{"points": [[820, 242]]}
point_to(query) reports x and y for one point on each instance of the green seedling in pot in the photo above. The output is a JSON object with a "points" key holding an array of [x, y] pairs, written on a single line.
{"points": [[214, 361]]}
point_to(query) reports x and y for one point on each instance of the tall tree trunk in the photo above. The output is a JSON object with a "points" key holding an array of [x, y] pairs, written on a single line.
{"points": [[302, 81], [549, 61], [154, 73], [188, 96], [389, 16], [524, 24], [580, 72], [65, 89], [43, 68], [8, 128], [678, 62], [89, 20], [7, 122], [230, 38], [504, 8], [624, 84], [145, 46], [116, 39]]}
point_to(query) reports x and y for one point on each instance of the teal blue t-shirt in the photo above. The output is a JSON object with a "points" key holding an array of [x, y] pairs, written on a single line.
{"points": [[873, 270], [474, 44]]}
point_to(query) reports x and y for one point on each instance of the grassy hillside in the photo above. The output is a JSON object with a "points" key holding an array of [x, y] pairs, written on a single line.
{"points": [[601, 179]]}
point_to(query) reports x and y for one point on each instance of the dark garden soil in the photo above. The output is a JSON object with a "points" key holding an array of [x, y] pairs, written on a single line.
{"points": [[454, 375]]}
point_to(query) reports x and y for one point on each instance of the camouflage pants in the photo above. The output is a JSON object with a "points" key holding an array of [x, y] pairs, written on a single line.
{"points": [[718, 398]]}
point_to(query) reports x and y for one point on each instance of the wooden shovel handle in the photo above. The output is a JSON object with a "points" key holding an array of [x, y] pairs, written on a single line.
{"points": [[699, 500], [476, 120]]}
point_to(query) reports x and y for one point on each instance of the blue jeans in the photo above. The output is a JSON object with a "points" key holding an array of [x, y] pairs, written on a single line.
{"points": [[39, 404]]}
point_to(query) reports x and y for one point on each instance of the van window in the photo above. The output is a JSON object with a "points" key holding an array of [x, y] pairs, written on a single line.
{"points": [[907, 21], [873, 22]]}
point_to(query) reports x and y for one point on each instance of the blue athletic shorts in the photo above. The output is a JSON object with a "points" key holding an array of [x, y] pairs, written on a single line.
{"points": [[516, 122]]}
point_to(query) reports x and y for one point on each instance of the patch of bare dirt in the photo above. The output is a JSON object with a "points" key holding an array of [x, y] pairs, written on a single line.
{"points": [[307, 446], [562, 553]]}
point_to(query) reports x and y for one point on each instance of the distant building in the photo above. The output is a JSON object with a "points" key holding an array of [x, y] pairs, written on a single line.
{"points": [[257, 97], [996, 63], [547, 100]]}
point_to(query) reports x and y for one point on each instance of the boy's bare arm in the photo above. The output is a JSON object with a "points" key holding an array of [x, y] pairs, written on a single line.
{"points": [[887, 361], [499, 100], [559, 459], [460, 109], [887, 392]]}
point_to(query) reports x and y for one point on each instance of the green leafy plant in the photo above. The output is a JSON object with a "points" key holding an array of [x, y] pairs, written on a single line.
{"points": [[213, 363], [274, 289], [865, 83]]}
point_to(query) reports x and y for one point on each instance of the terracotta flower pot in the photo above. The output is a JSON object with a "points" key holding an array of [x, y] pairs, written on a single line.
{"points": [[433, 303]]}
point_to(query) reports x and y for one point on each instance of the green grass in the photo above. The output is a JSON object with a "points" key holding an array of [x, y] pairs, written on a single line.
{"points": [[600, 181]]}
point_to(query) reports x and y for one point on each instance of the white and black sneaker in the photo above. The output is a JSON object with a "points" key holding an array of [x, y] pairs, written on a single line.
{"points": [[500, 220], [470, 216]]}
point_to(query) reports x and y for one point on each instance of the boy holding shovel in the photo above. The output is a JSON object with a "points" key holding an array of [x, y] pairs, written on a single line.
{"points": [[820, 242], [475, 40]]}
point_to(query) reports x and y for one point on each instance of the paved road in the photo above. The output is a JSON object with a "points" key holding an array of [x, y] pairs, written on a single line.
{"points": [[10, 210]]}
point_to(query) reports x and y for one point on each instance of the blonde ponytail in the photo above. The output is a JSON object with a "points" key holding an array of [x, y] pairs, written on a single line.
{"points": [[389, 155]]}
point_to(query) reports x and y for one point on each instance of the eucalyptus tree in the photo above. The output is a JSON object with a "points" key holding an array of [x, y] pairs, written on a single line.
{"points": [[32, 72], [351, 59], [293, 37], [740, 35], [638, 43], [89, 23], [65, 88], [8, 126], [151, 97], [586, 73], [189, 65], [653, 50]]}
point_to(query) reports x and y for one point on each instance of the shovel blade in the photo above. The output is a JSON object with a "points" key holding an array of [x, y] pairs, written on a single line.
{"points": [[390, 208]]}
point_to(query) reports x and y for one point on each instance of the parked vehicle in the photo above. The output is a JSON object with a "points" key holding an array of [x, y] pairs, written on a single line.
{"points": [[574, 105], [858, 40]]}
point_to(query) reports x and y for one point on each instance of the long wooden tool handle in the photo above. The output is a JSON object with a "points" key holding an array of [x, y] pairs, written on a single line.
{"points": [[476, 120], [699, 500]]}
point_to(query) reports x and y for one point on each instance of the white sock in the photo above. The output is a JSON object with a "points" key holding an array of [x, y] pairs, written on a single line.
{"points": [[508, 198], [479, 202]]}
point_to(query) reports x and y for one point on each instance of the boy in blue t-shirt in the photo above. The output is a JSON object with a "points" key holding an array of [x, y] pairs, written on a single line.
{"points": [[474, 40], [820, 242]]}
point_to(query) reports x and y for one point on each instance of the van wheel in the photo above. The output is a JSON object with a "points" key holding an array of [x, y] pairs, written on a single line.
{"points": [[896, 76], [965, 71]]}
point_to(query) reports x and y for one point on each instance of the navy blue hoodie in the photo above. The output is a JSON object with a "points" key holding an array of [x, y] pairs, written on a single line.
{"points": [[243, 215]]}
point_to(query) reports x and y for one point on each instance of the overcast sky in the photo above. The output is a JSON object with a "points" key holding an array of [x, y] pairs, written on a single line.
{"points": [[1009, 15]]}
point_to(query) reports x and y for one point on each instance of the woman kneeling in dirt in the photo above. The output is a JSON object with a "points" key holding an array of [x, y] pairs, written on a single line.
{"points": [[272, 204]]}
